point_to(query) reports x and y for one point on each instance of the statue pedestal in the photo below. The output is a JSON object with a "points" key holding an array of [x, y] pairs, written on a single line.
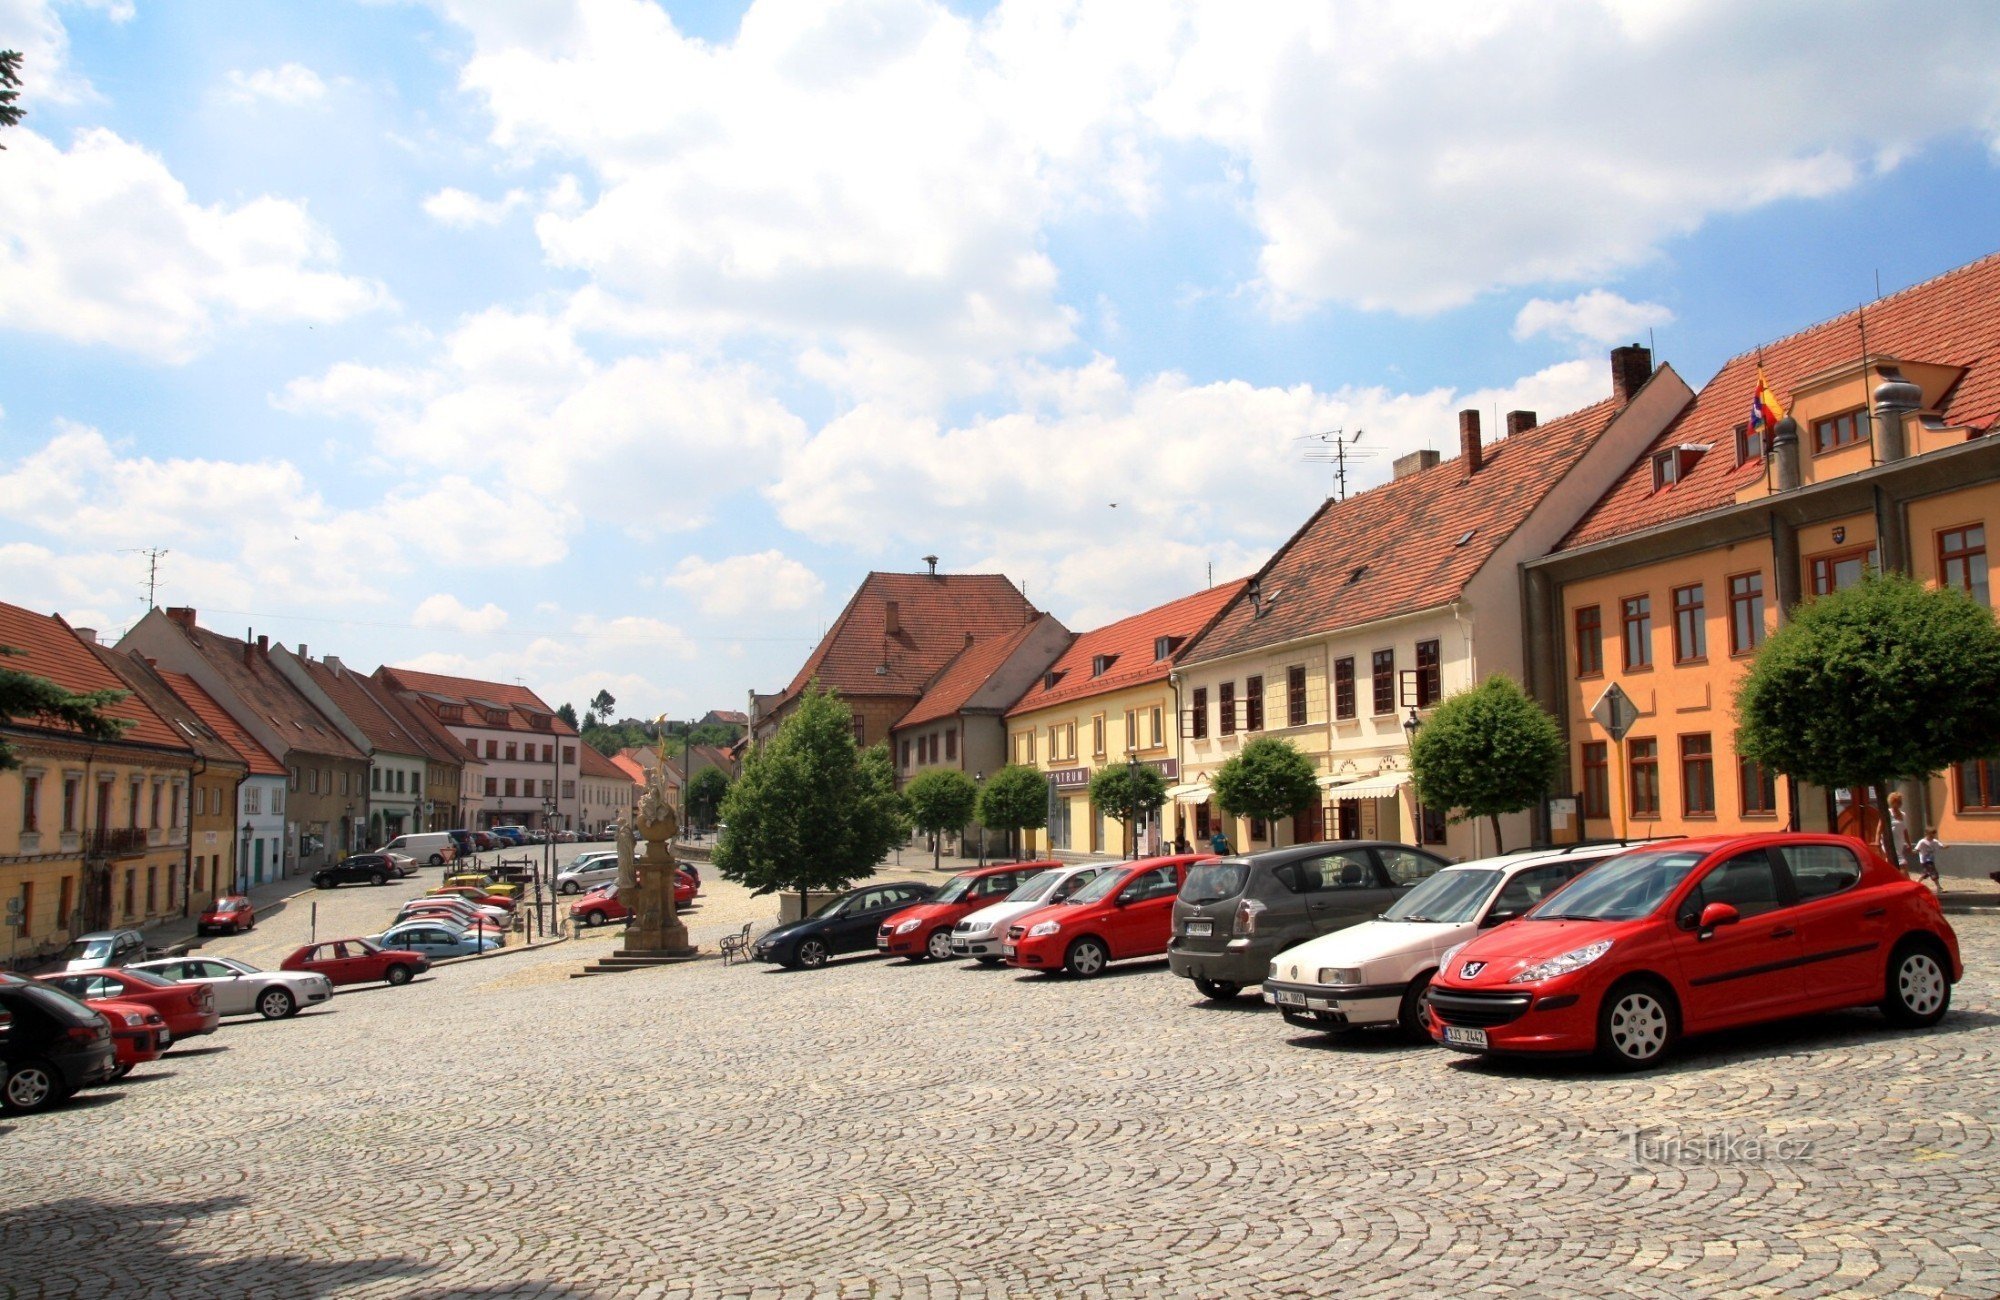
{"points": [[655, 935]]}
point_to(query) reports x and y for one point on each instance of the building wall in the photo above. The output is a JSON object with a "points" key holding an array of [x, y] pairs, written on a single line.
{"points": [[1062, 741], [326, 808], [445, 791], [212, 833], [269, 854], [395, 787], [533, 776], [1974, 831]]}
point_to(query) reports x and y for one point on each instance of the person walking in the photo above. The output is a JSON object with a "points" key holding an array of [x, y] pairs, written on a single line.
{"points": [[1899, 830], [1218, 842], [1926, 850]]}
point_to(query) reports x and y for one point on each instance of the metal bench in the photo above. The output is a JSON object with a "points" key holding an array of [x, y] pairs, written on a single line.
{"points": [[736, 945]]}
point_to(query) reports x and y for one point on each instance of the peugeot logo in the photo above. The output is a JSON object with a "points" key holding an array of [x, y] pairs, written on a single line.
{"points": [[1471, 969]]}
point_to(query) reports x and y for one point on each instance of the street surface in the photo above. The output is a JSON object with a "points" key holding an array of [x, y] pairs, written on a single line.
{"points": [[876, 1129]]}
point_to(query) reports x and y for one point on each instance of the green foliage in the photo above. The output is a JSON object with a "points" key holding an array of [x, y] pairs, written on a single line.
{"points": [[567, 712], [11, 112], [1127, 791], [940, 801], [26, 697], [602, 703], [1269, 778], [706, 789], [1016, 798], [810, 811], [881, 769], [1883, 681], [1487, 751]]}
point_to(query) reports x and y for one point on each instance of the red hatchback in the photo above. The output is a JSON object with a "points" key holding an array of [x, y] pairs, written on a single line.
{"points": [[357, 961], [1126, 912], [232, 914], [1699, 935], [188, 1009], [923, 932], [600, 905]]}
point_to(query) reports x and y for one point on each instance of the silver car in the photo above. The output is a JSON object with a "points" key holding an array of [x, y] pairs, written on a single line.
{"points": [[241, 988], [589, 870], [103, 948]]}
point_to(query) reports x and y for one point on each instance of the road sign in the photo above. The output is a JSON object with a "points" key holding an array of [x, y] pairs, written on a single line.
{"points": [[14, 908], [1614, 711]]}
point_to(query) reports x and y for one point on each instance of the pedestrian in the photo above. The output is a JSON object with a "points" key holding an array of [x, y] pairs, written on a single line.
{"points": [[1218, 842], [1927, 850], [1899, 830]]}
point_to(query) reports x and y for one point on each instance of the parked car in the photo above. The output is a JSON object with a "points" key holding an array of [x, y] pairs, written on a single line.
{"points": [[478, 922], [455, 906], [1697, 935], [189, 1010], [433, 848], [504, 902], [404, 864], [485, 841], [437, 939], [601, 905], [231, 914], [1375, 973], [102, 948], [464, 841], [1125, 912], [357, 868], [843, 924], [357, 961], [485, 884], [139, 1034], [923, 932], [50, 1045], [240, 988], [512, 836], [589, 869], [981, 934], [1237, 913]]}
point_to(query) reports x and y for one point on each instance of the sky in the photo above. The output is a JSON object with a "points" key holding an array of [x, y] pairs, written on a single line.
{"points": [[608, 344]]}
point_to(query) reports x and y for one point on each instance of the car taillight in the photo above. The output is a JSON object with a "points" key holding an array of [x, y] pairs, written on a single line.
{"points": [[88, 1033], [1246, 915]]}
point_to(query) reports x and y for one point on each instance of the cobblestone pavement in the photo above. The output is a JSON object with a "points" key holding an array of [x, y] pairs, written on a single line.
{"points": [[877, 1129]]}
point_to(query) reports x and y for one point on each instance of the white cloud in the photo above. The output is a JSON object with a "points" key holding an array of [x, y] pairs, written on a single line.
{"points": [[291, 84], [769, 581], [460, 209], [444, 610], [105, 246], [1597, 318], [34, 28]]}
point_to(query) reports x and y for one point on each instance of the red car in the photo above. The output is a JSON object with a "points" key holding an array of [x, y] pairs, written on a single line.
{"points": [[138, 1033], [476, 896], [188, 1009], [601, 906], [231, 914], [1126, 912], [1698, 935], [923, 932], [357, 961]]}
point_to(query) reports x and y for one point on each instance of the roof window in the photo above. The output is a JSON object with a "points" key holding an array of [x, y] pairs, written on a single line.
{"points": [[1102, 664], [1355, 576], [1675, 463], [1166, 645], [1465, 537]]}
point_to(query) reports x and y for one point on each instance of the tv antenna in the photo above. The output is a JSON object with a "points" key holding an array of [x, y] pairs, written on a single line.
{"points": [[1336, 447], [152, 554]]}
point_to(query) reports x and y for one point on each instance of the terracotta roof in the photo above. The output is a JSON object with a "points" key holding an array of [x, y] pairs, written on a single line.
{"points": [[50, 648], [195, 730], [1951, 320], [204, 706], [1411, 544], [934, 612], [975, 662], [592, 763], [628, 766], [519, 701], [262, 687], [369, 706], [1130, 642], [419, 717], [728, 717]]}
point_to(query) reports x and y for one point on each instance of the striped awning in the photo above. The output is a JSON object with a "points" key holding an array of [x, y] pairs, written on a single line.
{"points": [[1192, 792], [1383, 785]]}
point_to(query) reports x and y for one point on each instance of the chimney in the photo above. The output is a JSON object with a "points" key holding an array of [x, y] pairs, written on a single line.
{"points": [[892, 617], [264, 645], [183, 615], [151, 662], [249, 650], [1414, 463], [89, 634], [1468, 441], [303, 652], [1631, 367], [932, 561], [1785, 451], [332, 661], [1895, 397], [1519, 422]]}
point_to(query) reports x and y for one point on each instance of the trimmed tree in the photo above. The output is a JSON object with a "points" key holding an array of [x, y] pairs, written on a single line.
{"points": [[705, 793], [1127, 791], [1269, 779], [27, 697], [1016, 798], [810, 810], [1887, 680], [1485, 752], [940, 800]]}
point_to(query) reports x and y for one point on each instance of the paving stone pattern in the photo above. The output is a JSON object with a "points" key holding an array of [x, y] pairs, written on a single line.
{"points": [[878, 1129]]}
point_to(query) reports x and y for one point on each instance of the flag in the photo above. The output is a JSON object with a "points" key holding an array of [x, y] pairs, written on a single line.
{"points": [[1764, 409]]}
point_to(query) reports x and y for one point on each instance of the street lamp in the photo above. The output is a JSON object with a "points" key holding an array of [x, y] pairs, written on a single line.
{"points": [[1131, 779], [979, 784], [1410, 725], [243, 861], [347, 830]]}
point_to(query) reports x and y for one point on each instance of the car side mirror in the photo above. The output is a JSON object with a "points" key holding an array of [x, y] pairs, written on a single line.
{"points": [[1127, 897], [1718, 914], [1494, 918]]}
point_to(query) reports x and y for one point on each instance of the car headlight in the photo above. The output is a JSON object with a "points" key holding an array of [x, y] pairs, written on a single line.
{"points": [[1273, 972], [1574, 960], [134, 1018], [909, 925], [1339, 975], [1444, 962], [1045, 928]]}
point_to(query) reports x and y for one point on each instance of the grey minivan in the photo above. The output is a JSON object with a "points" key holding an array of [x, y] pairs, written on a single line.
{"points": [[1234, 914]]}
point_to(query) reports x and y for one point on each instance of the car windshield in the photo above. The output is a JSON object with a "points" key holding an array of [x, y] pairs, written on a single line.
{"points": [[88, 950], [226, 904], [1453, 896], [1211, 882], [831, 907], [148, 977], [1621, 890], [1035, 888], [1099, 889], [955, 889]]}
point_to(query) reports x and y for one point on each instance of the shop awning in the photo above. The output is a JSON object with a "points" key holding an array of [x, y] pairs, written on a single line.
{"points": [[1383, 785], [1194, 792]]}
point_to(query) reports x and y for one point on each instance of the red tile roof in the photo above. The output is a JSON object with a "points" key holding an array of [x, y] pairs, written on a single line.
{"points": [[519, 701], [203, 705], [1952, 320], [1411, 544], [976, 662], [934, 612], [370, 706], [152, 686], [1131, 643], [629, 767], [50, 648], [250, 674], [592, 763]]}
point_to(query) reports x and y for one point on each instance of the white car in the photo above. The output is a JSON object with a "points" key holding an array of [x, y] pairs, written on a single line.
{"points": [[589, 870], [241, 988], [981, 934], [1375, 973]]}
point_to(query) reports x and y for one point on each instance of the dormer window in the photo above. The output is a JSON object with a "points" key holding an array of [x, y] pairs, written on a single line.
{"points": [[1049, 680], [1102, 664], [1356, 575], [1674, 464], [1164, 646], [1749, 444], [1837, 431]]}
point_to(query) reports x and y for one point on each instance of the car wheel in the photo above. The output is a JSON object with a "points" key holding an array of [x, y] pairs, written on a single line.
{"points": [[1414, 1019], [437, 859], [276, 1004], [569, 886], [124, 1068], [321, 882], [30, 1086], [1635, 1025], [939, 947], [593, 918], [1086, 958], [1919, 986], [378, 879], [397, 974], [811, 954], [1217, 990]]}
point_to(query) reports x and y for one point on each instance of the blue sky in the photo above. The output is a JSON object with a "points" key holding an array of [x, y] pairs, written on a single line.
{"points": [[608, 343]]}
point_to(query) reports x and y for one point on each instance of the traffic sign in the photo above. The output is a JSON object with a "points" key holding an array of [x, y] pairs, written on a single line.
{"points": [[1615, 711], [14, 908]]}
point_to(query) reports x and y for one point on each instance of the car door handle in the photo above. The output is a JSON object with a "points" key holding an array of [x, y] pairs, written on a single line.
{"points": [[1783, 932], [1875, 912]]}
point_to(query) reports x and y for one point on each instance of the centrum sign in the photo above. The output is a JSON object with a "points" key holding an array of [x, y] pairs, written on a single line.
{"points": [[1068, 778]]}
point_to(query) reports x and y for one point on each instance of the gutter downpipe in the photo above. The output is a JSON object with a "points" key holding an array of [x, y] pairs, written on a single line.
{"points": [[1472, 671]]}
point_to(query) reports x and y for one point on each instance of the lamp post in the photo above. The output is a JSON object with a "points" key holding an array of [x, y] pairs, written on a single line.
{"points": [[1410, 725], [979, 785], [243, 860], [347, 831], [1131, 777]]}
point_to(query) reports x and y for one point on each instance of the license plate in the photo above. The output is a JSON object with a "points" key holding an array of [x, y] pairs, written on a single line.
{"points": [[1287, 998], [166, 1038], [1459, 1037], [1007, 950], [881, 945], [1200, 929]]}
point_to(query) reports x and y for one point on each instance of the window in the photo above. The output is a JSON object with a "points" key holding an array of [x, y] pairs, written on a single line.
{"points": [[1759, 788], [131, 886], [473, 746], [569, 789], [1198, 715], [1962, 561], [1158, 726], [906, 751], [569, 755], [375, 778], [1820, 870], [1589, 641], [27, 907], [72, 796], [1638, 611], [173, 805], [1295, 696], [492, 749], [1383, 665], [64, 901], [1226, 703], [295, 780], [1430, 825], [1697, 776], [1747, 882], [1253, 703], [1430, 677], [1666, 468], [1131, 730], [1596, 779], [1978, 786], [1838, 572], [951, 741], [1097, 733], [1645, 777], [1746, 613], [548, 753], [31, 798], [513, 785], [514, 751], [1690, 627], [1837, 431], [1343, 688], [1749, 444], [132, 805]]}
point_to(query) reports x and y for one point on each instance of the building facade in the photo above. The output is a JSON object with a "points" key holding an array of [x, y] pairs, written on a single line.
{"points": [[529, 755]]}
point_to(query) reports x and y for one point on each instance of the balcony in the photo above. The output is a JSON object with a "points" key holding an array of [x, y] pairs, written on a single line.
{"points": [[123, 842]]}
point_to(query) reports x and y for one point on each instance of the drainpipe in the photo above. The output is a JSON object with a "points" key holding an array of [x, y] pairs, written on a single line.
{"points": [[187, 850], [1472, 674], [1895, 399]]}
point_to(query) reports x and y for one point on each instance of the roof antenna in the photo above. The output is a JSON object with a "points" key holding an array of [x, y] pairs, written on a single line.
{"points": [[1337, 450], [1878, 282], [152, 554]]}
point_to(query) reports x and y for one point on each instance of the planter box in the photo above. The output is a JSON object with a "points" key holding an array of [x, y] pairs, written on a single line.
{"points": [[788, 903]]}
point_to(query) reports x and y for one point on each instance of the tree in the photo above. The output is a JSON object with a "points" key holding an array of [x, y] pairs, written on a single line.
{"points": [[1128, 791], [705, 792], [1887, 680], [940, 800], [810, 811], [26, 696], [1486, 751], [1015, 799], [1268, 779], [567, 712], [11, 112], [602, 703]]}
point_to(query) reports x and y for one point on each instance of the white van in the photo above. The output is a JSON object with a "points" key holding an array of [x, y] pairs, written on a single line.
{"points": [[432, 847]]}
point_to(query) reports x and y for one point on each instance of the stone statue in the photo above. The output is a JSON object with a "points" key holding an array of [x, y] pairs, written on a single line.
{"points": [[628, 853], [655, 929]]}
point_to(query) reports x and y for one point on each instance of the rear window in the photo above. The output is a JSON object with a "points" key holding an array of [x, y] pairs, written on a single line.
{"points": [[62, 1007], [148, 977], [1211, 882]]}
